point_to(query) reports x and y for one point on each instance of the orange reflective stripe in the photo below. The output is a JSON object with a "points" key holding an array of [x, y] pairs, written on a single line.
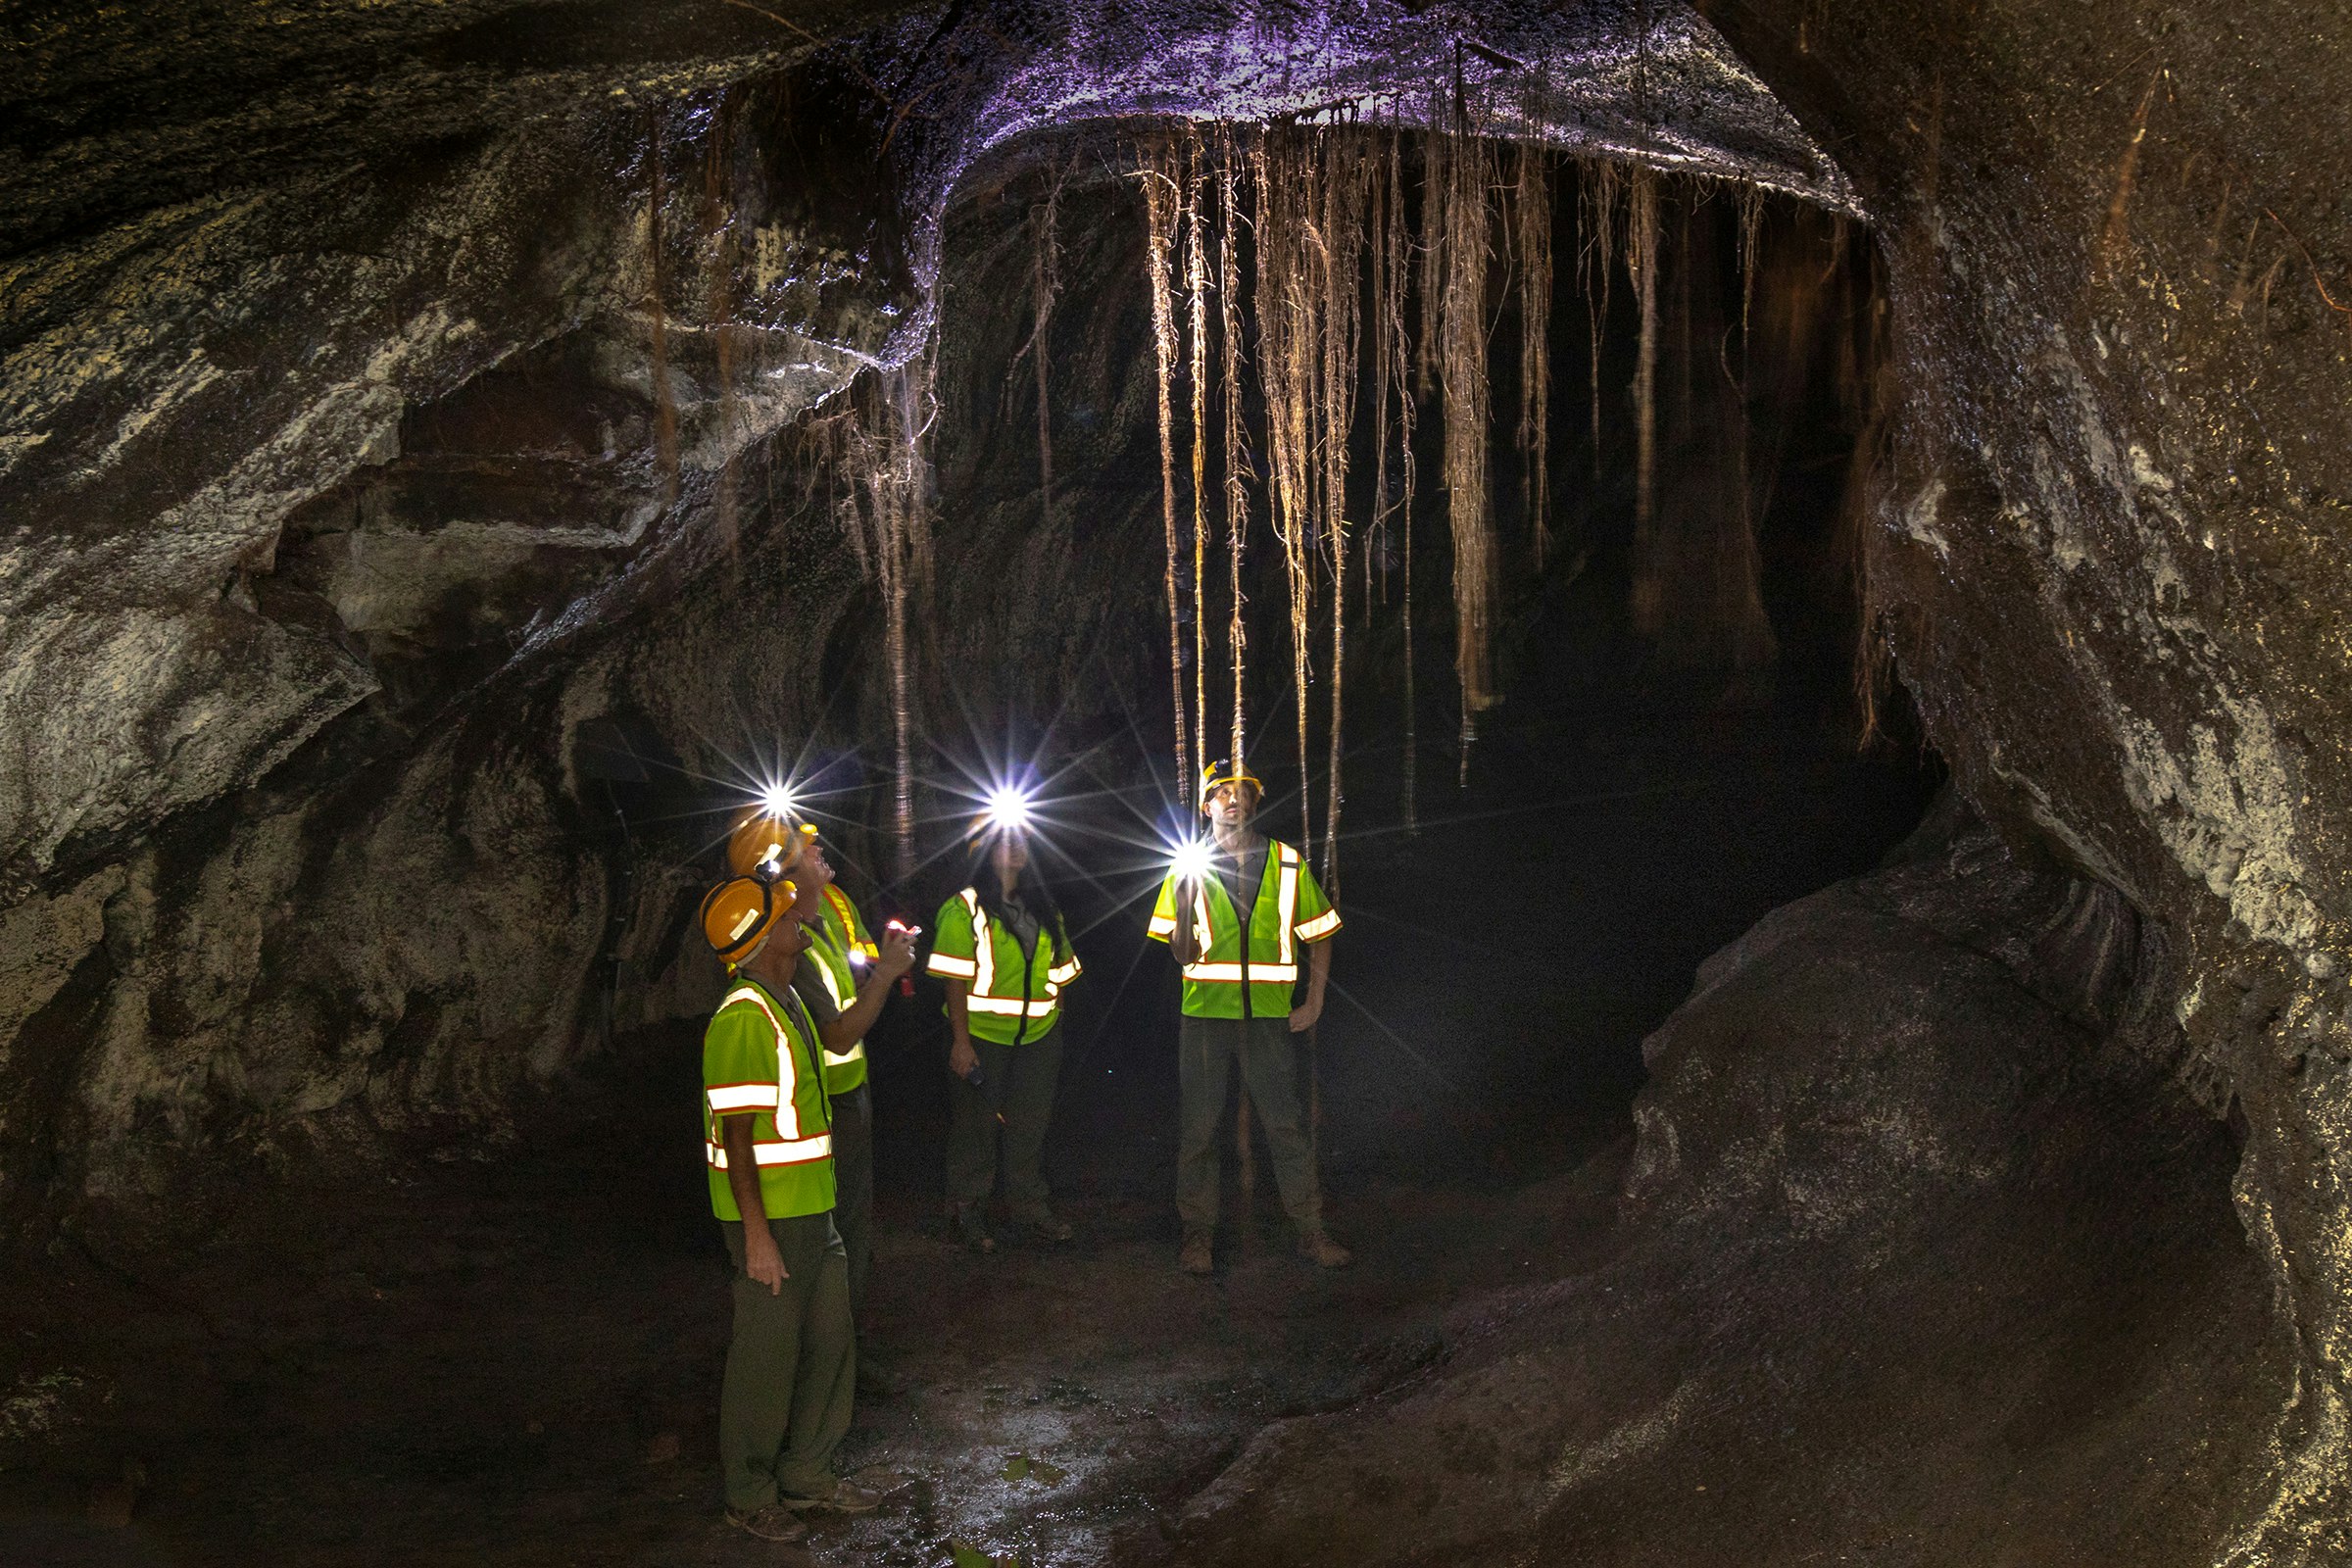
{"points": [[984, 941], [788, 1113], [1322, 925], [1287, 904], [775, 1151], [732, 1097], [1231, 973], [1011, 1006]]}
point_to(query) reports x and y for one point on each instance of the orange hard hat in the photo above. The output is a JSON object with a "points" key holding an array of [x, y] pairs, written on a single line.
{"points": [[766, 845], [741, 912]]}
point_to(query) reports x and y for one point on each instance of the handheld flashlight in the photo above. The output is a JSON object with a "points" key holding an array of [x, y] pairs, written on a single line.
{"points": [[906, 981], [1190, 860]]}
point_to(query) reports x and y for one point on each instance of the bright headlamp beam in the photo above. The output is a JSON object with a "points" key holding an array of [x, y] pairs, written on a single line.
{"points": [[777, 800], [1008, 809]]}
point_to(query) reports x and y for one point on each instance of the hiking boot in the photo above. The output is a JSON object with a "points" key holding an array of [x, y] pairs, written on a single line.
{"points": [[774, 1522], [1199, 1254], [971, 1228], [1322, 1250], [844, 1496], [1045, 1225]]}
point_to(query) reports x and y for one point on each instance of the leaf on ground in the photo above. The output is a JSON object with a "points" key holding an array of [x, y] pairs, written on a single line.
{"points": [[968, 1555], [1021, 1467]]}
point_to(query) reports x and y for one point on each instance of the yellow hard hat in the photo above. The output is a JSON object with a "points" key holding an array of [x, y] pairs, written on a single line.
{"points": [[741, 912], [766, 845], [1219, 773]]}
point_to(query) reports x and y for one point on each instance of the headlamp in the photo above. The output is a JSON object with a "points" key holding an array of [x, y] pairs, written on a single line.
{"points": [[778, 801], [1008, 809]]}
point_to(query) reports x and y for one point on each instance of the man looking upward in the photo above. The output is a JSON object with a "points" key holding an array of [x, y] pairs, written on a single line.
{"points": [[784, 1403], [1237, 929]]}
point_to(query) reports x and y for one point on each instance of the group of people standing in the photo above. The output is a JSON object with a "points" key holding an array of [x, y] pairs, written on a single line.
{"points": [[789, 1118]]}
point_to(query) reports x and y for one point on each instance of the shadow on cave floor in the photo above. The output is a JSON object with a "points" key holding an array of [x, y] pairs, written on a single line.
{"points": [[506, 1350]]}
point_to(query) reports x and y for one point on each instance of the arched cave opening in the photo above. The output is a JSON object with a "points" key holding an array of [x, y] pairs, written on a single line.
{"points": [[1838, 959]]}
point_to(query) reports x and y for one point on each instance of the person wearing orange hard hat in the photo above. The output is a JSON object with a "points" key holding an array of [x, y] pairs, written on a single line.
{"points": [[786, 1399]]}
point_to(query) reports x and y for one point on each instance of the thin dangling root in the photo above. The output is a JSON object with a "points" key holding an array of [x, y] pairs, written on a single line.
{"points": [[1462, 354], [1532, 209], [1641, 256], [1160, 196], [1237, 493], [1196, 277]]}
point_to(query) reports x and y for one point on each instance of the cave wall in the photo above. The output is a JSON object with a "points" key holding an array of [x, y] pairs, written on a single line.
{"points": [[2107, 542]]}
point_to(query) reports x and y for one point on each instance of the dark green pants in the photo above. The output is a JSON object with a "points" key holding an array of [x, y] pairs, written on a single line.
{"points": [[853, 1187], [1204, 1051], [1020, 1083], [792, 1367]]}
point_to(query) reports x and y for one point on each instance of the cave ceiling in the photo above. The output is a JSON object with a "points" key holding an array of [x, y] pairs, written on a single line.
{"points": [[241, 252]]}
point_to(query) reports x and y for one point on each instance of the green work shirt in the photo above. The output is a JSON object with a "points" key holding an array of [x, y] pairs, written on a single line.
{"points": [[1228, 979], [760, 1056], [840, 951], [1013, 994]]}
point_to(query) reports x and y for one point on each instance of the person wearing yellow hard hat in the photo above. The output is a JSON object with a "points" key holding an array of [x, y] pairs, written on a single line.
{"points": [[1003, 950], [1236, 912], [786, 1399]]}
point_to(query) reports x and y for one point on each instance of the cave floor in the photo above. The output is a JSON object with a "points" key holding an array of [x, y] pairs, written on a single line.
{"points": [[512, 1357]]}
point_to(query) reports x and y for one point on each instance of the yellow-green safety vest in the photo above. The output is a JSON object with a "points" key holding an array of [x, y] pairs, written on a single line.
{"points": [[840, 948], [760, 1056], [1010, 996], [1225, 980]]}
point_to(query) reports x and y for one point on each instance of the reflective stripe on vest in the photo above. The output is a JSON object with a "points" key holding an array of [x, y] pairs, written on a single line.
{"points": [[1284, 969], [1013, 1006], [845, 914], [983, 969], [787, 1110], [778, 1152]]}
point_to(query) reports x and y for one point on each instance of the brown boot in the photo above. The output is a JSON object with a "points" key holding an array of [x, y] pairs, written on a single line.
{"points": [[774, 1522], [1325, 1253], [1198, 1254]]}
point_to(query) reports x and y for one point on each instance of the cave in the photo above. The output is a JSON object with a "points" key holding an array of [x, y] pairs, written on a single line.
{"points": [[1768, 554]]}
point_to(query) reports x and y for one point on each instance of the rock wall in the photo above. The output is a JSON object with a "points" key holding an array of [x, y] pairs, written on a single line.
{"points": [[2106, 543], [1925, 1260]]}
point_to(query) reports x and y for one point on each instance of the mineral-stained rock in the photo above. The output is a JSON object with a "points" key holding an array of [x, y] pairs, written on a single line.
{"points": [[1919, 1267]]}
